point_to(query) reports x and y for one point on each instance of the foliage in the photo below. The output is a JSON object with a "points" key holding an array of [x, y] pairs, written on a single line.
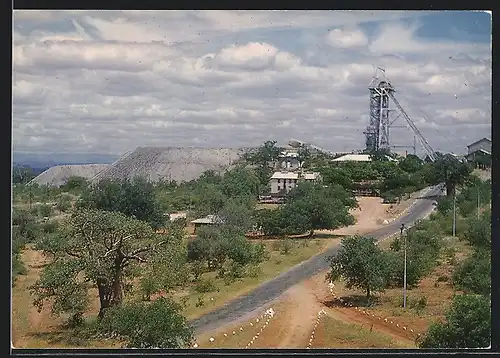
{"points": [[360, 263], [411, 163], [24, 174], [444, 205], [218, 245], [478, 233], [155, 325], [473, 193], [134, 198], [308, 207], [167, 269], [447, 169], [99, 248], [468, 325], [266, 153], [205, 286], [473, 275], [45, 210], [75, 184], [63, 203]]}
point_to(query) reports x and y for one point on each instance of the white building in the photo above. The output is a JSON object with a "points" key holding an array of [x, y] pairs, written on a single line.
{"points": [[288, 180], [289, 161], [482, 145]]}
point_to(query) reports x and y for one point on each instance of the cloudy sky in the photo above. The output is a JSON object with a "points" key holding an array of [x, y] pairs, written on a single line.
{"points": [[109, 81]]}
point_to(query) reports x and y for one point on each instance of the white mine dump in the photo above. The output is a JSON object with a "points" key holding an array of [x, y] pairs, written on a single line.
{"points": [[164, 163], [59, 174]]}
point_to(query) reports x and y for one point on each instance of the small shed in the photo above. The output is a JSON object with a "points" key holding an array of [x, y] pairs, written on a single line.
{"points": [[207, 220]]}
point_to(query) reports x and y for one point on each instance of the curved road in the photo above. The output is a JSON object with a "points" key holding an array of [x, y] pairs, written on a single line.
{"points": [[275, 287]]}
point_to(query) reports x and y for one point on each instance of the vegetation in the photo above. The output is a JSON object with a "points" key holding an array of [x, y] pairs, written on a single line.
{"points": [[468, 325], [360, 263], [103, 240], [309, 207], [133, 198], [156, 325], [97, 247]]}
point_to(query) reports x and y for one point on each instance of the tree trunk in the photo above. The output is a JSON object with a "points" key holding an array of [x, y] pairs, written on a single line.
{"points": [[449, 189], [103, 298], [368, 292], [117, 287]]}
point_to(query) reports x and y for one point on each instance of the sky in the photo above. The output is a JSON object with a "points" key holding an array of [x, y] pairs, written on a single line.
{"points": [[110, 81]]}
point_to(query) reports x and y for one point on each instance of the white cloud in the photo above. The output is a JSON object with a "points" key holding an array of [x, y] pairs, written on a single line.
{"points": [[346, 38], [111, 81]]}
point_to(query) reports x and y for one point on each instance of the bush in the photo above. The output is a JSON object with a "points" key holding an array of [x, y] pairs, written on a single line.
{"points": [[45, 210], [50, 227], [473, 275], [286, 246], [205, 286], [254, 271], [155, 325], [468, 325]]}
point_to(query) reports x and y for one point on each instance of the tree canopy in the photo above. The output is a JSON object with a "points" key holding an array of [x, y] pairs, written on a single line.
{"points": [[135, 198], [97, 247], [155, 325], [309, 207], [360, 263], [467, 325]]}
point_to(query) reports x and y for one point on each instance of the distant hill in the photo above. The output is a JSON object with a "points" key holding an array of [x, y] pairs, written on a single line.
{"points": [[47, 160]]}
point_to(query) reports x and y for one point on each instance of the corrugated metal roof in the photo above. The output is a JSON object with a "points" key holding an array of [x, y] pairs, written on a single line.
{"points": [[294, 175], [479, 141], [283, 175], [354, 158], [209, 219]]}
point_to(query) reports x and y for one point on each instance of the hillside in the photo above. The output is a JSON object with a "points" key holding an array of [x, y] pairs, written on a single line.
{"points": [[167, 163]]}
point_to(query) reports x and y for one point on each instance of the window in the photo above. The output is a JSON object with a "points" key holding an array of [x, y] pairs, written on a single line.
{"points": [[279, 188], [295, 181], [279, 181]]}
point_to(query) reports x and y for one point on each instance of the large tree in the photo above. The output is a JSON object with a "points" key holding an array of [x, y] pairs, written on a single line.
{"points": [[267, 153], [361, 264], [309, 207], [100, 248], [135, 198], [451, 171], [467, 325]]}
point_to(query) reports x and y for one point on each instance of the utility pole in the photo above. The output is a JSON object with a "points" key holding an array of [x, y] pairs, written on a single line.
{"points": [[404, 274], [477, 190], [454, 211]]}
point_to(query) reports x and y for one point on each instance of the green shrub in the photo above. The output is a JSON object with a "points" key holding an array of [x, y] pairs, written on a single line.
{"points": [[205, 286], [49, 227], [287, 246], [473, 275]]}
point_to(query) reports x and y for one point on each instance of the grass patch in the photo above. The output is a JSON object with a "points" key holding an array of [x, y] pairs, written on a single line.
{"points": [[332, 333]]}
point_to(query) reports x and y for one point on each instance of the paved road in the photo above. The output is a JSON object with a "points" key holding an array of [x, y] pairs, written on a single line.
{"points": [[276, 286]]}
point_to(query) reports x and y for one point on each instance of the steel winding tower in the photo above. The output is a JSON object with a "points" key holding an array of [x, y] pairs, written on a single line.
{"points": [[377, 132]]}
